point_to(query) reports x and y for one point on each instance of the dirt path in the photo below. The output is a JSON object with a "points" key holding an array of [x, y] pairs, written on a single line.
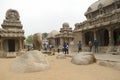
{"points": [[61, 69]]}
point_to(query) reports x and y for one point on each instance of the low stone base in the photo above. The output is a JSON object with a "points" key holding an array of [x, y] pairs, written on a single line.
{"points": [[108, 63], [1, 54], [47, 52], [115, 53], [11, 55]]}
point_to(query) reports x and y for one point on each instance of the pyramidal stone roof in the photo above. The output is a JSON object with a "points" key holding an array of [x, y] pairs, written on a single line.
{"points": [[11, 26]]}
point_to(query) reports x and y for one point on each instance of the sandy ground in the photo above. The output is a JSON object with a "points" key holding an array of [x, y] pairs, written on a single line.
{"points": [[61, 69]]}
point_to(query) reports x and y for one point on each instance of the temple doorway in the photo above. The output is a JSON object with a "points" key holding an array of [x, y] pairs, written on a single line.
{"points": [[57, 41], [11, 45], [89, 36], [103, 37]]}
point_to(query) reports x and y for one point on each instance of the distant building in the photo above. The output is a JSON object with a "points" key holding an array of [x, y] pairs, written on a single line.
{"points": [[51, 38], [58, 38], [11, 35], [65, 35]]}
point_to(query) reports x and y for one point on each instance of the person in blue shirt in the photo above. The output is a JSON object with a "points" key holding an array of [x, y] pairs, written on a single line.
{"points": [[65, 48], [79, 46]]}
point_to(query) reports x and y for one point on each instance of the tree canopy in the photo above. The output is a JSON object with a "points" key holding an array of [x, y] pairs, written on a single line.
{"points": [[29, 39], [44, 35]]}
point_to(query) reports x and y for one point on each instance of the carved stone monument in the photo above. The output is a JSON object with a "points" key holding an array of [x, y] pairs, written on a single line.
{"points": [[65, 35], [11, 35], [102, 24]]}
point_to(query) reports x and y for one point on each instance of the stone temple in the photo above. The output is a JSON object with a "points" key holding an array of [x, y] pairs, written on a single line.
{"points": [[64, 35], [103, 24], [11, 35]]}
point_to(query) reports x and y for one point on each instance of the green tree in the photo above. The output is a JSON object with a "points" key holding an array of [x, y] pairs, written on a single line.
{"points": [[44, 35], [29, 39]]}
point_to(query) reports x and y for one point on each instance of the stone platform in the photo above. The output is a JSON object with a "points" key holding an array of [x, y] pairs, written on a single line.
{"points": [[104, 59], [47, 52], [108, 60]]}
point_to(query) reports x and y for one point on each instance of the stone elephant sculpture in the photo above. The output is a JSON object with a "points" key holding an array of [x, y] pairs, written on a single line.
{"points": [[37, 41]]}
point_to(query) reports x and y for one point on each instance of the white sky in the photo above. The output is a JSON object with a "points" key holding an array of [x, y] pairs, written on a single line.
{"points": [[46, 15]]}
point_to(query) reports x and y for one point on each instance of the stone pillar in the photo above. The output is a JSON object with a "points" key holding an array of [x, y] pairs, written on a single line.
{"points": [[1, 45], [20, 43], [95, 34], [83, 39], [71, 46], [23, 43], [110, 37], [61, 41]]}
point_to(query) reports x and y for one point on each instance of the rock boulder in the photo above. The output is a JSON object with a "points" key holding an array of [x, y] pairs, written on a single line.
{"points": [[31, 61], [83, 58]]}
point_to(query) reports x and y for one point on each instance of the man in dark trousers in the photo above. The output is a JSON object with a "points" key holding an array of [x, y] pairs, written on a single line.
{"points": [[79, 46], [96, 45], [65, 48]]}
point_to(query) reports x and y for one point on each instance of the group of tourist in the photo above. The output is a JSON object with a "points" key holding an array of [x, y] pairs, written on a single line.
{"points": [[46, 47], [90, 45], [95, 44], [65, 48]]}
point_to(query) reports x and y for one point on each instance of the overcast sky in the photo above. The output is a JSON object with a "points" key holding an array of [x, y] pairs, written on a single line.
{"points": [[46, 15]]}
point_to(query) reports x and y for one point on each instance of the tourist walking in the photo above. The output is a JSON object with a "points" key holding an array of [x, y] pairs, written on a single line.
{"points": [[96, 46], [65, 48], [90, 44], [79, 45]]}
